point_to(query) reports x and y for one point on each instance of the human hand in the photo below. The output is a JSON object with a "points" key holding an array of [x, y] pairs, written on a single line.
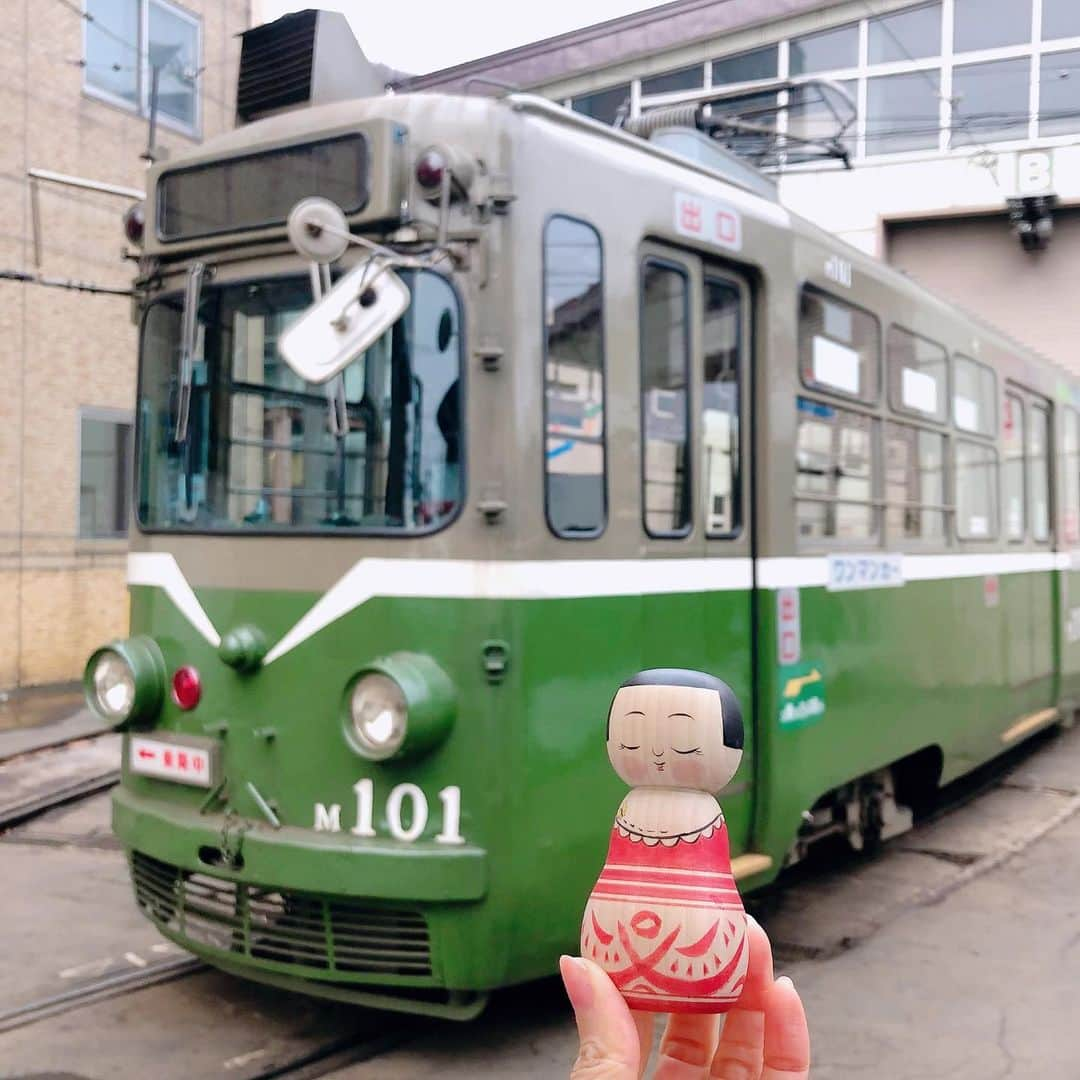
{"points": [[764, 1037]]}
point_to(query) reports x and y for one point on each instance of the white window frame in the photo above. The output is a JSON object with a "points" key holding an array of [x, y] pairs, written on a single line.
{"points": [[141, 58], [107, 415]]}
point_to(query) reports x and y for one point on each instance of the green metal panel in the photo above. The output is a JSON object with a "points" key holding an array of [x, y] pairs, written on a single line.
{"points": [[925, 665]]}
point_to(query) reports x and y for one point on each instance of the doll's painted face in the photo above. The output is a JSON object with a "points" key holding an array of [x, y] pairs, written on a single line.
{"points": [[670, 736]]}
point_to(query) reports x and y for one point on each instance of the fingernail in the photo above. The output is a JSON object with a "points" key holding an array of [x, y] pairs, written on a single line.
{"points": [[786, 981], [575, 976]]}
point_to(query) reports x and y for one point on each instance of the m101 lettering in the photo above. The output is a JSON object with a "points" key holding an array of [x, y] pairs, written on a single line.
{"points": [[328, 818]]}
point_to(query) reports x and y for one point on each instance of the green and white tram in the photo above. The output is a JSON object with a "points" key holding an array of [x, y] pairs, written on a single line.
{"points": [[636, 414]]}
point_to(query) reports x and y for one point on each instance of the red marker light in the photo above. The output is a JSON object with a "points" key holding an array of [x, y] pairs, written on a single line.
{"points": [[135, 224], [186, 687], [430, 168]]}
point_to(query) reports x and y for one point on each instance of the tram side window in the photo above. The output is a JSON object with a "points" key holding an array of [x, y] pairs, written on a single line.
{"points": [[665, 399], [720, 408], [574, 488], [839, 346], [1038, 464], [834, 479], [916, 374], [1070, 465], [975, 481], [974, 397], [914, 483], [1013, 438]]}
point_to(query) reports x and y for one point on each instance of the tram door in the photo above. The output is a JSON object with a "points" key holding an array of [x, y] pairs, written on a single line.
{"points": [[1027, 522], [694, 335]]}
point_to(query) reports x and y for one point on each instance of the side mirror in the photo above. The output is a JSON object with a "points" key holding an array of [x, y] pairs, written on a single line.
{"points": [[346, 322]]}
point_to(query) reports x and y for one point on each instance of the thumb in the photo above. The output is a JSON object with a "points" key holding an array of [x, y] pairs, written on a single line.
{"points": [[609, 1047]]}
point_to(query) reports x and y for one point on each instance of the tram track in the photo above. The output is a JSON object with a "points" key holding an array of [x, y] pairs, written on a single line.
{"points": [[325, 1057], [20, 812], [108, 986]]}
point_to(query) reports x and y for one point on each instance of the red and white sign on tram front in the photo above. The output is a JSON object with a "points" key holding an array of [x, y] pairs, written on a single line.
{"points": [[710, 220], [169, 761]]}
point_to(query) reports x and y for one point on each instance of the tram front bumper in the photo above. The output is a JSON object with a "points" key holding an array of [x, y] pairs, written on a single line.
{"points": [[300, 859]]}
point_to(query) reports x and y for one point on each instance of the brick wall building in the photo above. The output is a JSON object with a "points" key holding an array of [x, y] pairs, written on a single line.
{"points": [[74, 96]]}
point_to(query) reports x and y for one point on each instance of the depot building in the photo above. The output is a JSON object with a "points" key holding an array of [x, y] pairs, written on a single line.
{"points": [[960, 152]]}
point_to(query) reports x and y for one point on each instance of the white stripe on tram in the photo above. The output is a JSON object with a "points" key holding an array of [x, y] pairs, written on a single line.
{"points": [[811, 571], [562, 579], [159, 568], [505, 580]]}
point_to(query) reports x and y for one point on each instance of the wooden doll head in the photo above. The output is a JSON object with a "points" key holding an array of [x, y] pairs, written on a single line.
{"points": [[669, 727]]}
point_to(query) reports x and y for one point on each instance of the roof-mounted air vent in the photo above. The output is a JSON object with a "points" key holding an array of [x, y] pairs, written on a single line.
{"points": [[307, 58]]}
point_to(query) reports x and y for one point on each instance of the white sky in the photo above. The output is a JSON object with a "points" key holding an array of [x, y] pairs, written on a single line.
{"points": [[418, 36]]}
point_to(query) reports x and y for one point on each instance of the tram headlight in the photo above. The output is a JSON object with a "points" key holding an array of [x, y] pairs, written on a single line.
{"points": [[400, 706], [125, 681], [380, 716]]}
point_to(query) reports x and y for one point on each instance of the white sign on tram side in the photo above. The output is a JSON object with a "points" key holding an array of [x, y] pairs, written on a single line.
{"points": [[874, 571], [711, 220]]}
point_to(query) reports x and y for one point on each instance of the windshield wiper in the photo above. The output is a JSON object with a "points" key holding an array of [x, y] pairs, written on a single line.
{"points": [[188, 339], [337, 406]]}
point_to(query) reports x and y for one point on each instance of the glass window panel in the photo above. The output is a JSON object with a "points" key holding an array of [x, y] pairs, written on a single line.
{"points": [[604, 105], [913, 34], [574, 379], [992, 101], [974, 397], [914, 483], [722, 333], [665, 403], [746, 67], [104, 459], [903, 112], [1038, 463], [1070, 478], [690, 78], [826, 51], [174, 47], [818, 112], [1012, 434], [112, 48], [1059, 92], [975, 481], [259, 453], [834, 471], [839, 346], [1060, 18], [917, 375], [988, 24]]}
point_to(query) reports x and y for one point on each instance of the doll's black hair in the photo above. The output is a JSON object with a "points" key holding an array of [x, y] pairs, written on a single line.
{"points": [[698, 680]]}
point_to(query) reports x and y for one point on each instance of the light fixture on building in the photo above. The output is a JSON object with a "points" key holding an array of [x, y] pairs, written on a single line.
{"points": [[1032, 220]]}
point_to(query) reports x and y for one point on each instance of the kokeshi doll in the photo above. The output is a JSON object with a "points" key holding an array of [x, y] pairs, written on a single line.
{"points": [[665, 919]]}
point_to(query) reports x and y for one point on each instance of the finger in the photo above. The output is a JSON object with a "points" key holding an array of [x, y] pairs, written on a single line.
{"points": [[787, 1038], [688, 1046], [644, 1022], [608, 1037], [759, 970], [741, 1051]]}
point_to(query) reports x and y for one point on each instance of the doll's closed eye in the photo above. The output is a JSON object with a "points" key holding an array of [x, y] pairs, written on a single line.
{"points": [[623, 746], [692, 750]]}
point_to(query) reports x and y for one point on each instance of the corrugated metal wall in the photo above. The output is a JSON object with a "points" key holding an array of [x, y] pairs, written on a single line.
{"points": [[977, 262]]}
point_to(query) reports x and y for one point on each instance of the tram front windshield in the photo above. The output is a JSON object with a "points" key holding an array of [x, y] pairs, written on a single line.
{"points": [[263, 451]]}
